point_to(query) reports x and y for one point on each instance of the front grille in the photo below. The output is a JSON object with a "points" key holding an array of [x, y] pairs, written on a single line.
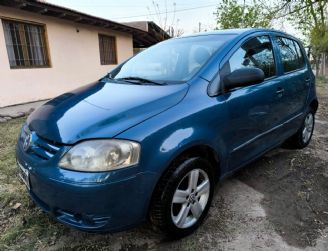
{"points": [[38, 147]]}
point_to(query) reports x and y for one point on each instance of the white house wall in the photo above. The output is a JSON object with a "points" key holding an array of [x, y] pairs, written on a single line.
{"points": [[74, 58]]}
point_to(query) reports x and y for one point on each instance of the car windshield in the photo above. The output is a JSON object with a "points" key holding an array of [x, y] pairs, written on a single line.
{"points": [[174, 60]]}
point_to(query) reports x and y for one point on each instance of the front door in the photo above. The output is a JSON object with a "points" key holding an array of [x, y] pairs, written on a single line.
{"points": [[251, 109]]}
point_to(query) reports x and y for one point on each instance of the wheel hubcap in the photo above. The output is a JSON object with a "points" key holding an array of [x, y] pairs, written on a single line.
{"points": [[190, 198], [308, 128]]}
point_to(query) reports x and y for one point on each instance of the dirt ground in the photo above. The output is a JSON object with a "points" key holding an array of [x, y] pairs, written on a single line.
{"points": [[279, 202]]}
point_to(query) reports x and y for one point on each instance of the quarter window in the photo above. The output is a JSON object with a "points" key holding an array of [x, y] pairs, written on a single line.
{"points": [[107, 49], [301, 61], [291, 54], [256, 52], [26, 44]]}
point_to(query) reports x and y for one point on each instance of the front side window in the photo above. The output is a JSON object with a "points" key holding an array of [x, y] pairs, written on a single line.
{"points": [[26, 44], [256, 52], [172, 60], [291, 54], [107, 49]]}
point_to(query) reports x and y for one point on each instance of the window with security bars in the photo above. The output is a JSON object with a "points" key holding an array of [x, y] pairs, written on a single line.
{"points": [[26, 44], [107, 49]]}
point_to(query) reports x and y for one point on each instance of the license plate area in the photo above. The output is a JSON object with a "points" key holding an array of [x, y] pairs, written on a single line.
{"points": [[23, 173]]}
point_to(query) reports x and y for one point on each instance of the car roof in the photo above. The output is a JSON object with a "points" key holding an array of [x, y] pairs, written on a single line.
{"points": [[239, 32]]}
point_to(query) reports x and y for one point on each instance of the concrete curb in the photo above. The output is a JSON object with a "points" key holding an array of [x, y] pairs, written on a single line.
{"points": [[18, 111], [7, 117]]}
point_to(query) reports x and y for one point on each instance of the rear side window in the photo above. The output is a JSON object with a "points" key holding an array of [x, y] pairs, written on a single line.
{"points": [[301, 60], [256, 52], [291, 54]]}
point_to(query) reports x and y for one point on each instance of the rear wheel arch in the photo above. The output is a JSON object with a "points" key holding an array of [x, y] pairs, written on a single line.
{"points": [[304, 134], [314, 105]]}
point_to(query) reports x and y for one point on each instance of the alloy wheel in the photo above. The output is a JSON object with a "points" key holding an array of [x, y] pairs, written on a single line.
{"points": [[190, 198], [308, 128]]}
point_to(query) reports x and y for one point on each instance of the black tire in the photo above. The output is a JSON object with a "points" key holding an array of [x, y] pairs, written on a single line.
{"points": [[297, 140], [162, 203]]}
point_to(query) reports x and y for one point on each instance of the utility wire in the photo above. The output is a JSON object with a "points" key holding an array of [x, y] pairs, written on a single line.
{"points": [[171, 11]]}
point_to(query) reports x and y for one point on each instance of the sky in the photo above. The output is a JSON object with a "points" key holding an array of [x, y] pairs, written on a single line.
{"points": [[188, 15]]}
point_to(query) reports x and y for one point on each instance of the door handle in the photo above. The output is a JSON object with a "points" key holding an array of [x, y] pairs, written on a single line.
{"points": [[307, 81], [280, 91]]}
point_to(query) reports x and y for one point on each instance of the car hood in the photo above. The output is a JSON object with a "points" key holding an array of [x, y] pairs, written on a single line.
{"points": [[102, 110]]}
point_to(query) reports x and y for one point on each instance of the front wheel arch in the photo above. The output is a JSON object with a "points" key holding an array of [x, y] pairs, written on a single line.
{"points": [[203, 151], [198, 150], [159, 207]]}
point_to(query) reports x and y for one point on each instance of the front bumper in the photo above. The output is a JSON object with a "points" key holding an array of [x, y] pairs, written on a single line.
{"points": [[94, 202]]}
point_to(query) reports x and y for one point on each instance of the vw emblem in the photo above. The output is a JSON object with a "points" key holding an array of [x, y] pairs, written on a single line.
{"points": [[27, 141]]}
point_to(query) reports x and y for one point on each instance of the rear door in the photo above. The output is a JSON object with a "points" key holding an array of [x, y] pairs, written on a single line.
{"points": [[295, 80]]}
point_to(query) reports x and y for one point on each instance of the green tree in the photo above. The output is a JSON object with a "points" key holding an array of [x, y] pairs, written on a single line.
{"points": [[310, 17], [232, 14]]}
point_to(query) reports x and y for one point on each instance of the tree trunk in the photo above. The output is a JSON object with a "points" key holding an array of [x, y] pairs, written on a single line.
{"points": [[317, 64], [317, 69]]}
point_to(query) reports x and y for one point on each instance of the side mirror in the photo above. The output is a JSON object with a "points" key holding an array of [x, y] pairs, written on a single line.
{"points": [[243, 77]]}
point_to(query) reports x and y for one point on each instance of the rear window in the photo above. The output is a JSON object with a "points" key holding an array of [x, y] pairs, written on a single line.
{"points": [[291, 54]]}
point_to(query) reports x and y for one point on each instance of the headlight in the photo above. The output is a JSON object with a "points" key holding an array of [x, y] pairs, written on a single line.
{"points": [[101, 155]]}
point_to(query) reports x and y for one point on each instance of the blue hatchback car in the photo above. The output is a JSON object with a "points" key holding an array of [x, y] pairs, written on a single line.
{"points": [[150, 140]]}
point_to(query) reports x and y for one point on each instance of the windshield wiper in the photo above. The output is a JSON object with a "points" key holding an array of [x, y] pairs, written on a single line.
{"points": [[141, 80]]}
